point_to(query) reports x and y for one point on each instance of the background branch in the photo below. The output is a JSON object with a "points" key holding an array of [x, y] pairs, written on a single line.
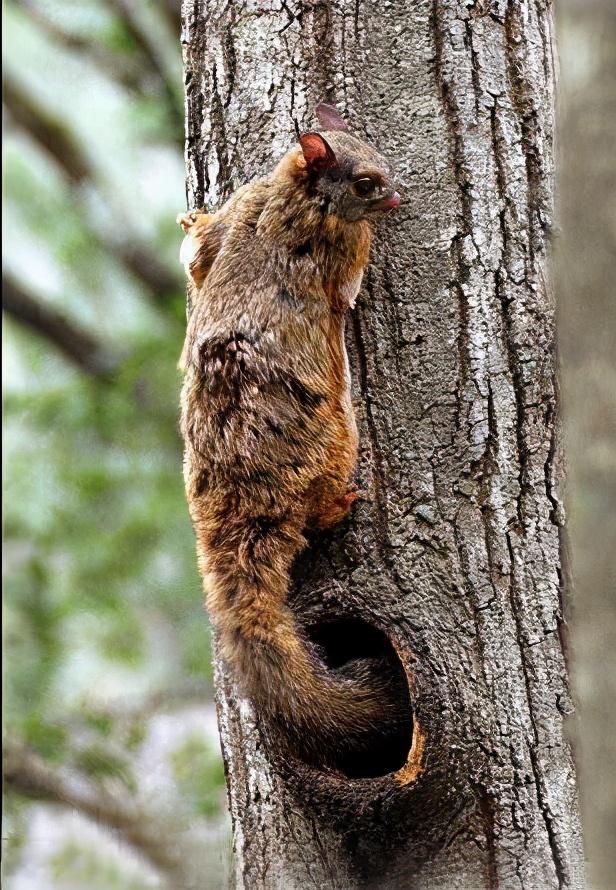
{"points": [[46, 129], [126, 12], [26, 773], [79, 346], [56, 138], [188, 691], [111, 64], [171, 10]]}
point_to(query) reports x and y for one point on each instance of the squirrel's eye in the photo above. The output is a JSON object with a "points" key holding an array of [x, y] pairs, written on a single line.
{"points": [[364, 187]]}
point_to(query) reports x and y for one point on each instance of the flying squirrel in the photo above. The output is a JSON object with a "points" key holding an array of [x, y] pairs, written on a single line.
{"points": [[270, 436]]}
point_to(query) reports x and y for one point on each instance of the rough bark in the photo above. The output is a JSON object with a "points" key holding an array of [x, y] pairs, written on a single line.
{"points": [[586, 267], [457, 557]]}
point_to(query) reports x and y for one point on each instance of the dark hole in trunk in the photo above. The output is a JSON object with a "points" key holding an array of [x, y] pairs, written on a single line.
{"points": [[357, 650]]}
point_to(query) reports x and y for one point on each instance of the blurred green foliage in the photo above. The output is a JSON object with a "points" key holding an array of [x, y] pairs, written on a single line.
{"points": [[199, 773], [77, 867], [103, 601]]}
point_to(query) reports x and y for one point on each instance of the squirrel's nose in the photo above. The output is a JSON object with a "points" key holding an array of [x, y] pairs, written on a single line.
{"points": [[390, 203]]}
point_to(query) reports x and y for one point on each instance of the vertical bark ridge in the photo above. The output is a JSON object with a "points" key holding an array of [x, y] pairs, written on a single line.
{"points": [[517, 107]]}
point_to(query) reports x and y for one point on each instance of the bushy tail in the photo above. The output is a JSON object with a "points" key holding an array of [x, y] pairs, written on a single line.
{"points": [[326, 713]]}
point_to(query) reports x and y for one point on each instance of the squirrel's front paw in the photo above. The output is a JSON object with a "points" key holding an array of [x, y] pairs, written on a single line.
{"points": [[189, 219]]}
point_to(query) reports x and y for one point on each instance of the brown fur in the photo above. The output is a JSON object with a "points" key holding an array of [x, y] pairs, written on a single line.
{"points": [[270, 437]]}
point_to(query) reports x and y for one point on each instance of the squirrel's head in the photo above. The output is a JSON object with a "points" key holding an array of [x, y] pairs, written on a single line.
{"points": [[351, 178]]}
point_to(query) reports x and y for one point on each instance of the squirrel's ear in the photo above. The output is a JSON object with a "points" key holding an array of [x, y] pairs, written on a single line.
{"points": [[318, 154], [330, 118]]}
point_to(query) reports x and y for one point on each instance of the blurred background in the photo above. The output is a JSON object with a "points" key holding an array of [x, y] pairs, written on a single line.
{"points": [[114, 774], [109, 719]]}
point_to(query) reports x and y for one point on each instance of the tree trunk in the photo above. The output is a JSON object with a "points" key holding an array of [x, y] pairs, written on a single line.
{"points": [[586, 274], [457, 556]]}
